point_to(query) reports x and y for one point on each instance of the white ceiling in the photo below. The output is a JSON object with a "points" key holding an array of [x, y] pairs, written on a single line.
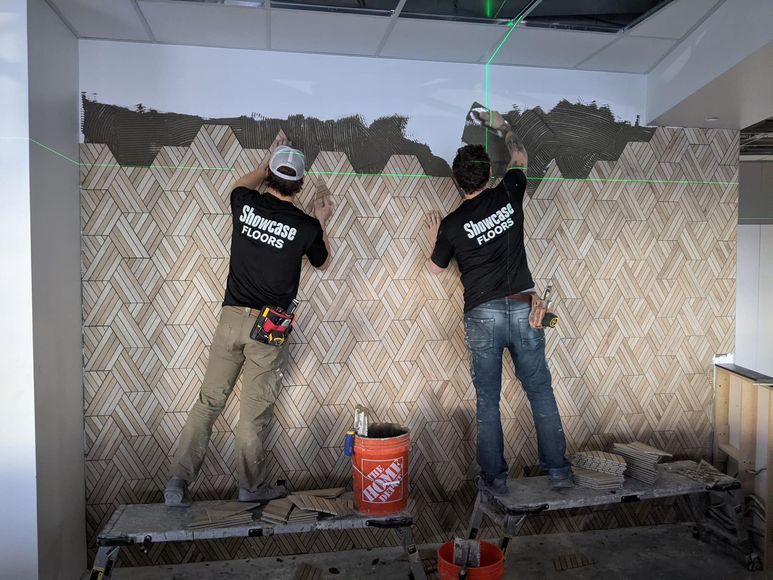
{"points": [[169, 21], [739, 97]]}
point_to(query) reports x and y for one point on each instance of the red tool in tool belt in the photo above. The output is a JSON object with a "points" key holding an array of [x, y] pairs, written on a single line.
{"points": [[274, 324]]}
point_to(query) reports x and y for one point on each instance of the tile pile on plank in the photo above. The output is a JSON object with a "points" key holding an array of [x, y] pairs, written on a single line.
{"points": [[601, 461], [277, 511], [225, 515], [304, 507], [641, 459], [597, 479], [599, 469]]}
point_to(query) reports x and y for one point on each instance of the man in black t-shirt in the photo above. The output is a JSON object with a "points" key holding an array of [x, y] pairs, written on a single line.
{"points": [[485, 234], [269, 240]]}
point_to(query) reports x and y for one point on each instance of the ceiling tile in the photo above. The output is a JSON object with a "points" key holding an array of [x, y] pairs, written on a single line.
{"points": [[206, 24], [674, 20], [431, 40], [629, 54], [116, 20], [308, 31], [546, 47]]}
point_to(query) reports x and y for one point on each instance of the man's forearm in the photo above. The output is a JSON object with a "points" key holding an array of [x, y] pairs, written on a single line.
{"points": [[518, 156], [254, 179], [327, 247]]}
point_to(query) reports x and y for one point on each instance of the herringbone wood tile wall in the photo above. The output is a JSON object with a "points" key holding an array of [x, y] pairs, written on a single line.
{"points": [[645, 273]]}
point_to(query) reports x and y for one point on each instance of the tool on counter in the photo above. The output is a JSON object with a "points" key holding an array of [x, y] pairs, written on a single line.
{"points": [[274, 324]]}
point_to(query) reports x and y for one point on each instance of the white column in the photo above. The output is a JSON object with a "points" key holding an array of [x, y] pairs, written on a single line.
{"points": [[18, 509]]}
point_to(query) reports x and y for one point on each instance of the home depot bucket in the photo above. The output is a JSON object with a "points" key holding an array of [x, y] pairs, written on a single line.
{"points": [[380, 469], [492, 563]]}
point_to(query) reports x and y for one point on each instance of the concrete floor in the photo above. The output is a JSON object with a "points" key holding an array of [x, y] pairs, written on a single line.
{"points": [[647, 553]]}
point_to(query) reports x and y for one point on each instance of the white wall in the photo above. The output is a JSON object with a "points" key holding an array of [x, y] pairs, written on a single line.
{"points": [[754, 294], [754, 291], [754, 297], [18, 512], [215, 82], [713, 48], [56, 294]]}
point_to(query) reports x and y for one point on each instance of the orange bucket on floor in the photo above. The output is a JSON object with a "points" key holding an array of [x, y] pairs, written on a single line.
{"points": [[380, 469], [492, 563]]}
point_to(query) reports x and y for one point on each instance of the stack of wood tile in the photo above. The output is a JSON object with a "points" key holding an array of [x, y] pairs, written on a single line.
{"points": [[225, 515], [642, 460], [599, 470], [306, 506], [277, 512]]}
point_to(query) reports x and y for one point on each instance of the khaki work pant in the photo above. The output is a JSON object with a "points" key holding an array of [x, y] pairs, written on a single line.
{"points": [[232, 348]]}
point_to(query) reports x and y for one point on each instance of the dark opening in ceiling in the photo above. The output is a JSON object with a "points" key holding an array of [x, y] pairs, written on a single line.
{"points": [[591, 15], [374, 7], [757, 139]]}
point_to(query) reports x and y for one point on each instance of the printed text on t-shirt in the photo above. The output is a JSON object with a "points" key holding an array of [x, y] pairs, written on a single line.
{"points": [[261, 229], [490, 227]]}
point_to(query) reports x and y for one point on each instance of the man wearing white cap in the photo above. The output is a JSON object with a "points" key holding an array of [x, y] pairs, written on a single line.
{"points": [[269, 240]]}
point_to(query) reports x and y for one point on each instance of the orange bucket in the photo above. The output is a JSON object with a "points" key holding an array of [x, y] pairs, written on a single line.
{"points": [[492, 563], [380, 469]]}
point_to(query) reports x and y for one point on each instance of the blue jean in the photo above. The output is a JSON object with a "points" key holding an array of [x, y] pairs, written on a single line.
{"points": [[489, 329]]}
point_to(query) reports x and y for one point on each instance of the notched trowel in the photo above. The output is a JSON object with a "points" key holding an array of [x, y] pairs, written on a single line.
{"points": [[466, 555], [476, 133]]}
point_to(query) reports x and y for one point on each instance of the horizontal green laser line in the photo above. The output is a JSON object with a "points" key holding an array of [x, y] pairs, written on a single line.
{"points": [[392, 174], [621, 180]]}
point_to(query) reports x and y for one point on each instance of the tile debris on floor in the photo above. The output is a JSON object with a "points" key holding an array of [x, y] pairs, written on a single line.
{"points": [[646, 553]]}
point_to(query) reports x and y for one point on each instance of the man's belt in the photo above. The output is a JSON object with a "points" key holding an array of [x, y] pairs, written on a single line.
{"points": [[521, 297]]}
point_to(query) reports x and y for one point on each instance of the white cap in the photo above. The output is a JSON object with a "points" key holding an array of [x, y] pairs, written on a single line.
{"points": [[290, 158]]}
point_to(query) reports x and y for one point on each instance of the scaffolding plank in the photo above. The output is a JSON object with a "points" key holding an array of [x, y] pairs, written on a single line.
{"points": [[137, 523], [533, 494]]}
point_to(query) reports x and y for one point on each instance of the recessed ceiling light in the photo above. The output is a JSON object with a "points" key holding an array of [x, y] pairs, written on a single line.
{"points": [[711, 119]]}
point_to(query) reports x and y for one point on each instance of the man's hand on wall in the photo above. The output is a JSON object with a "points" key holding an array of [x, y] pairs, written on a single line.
{"points": [[278, 142], [323, 208], [431, 226]]}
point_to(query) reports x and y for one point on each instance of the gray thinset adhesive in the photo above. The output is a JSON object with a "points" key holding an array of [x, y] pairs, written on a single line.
{"points": [[135, 136], [574, 134]]}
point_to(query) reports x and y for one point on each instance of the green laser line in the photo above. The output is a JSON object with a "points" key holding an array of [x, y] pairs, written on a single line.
{"points": [[512, 24], [390, 174], [502, 5], [55, 152]]}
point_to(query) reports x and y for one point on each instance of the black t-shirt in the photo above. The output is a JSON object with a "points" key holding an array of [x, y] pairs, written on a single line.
{"points": [[485, 234], [270, 237]]}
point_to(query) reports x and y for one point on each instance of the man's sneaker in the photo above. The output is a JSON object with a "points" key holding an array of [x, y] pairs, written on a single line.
{"points": [[265, 492], [497, 487], [561, 481], [176, 493]]}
